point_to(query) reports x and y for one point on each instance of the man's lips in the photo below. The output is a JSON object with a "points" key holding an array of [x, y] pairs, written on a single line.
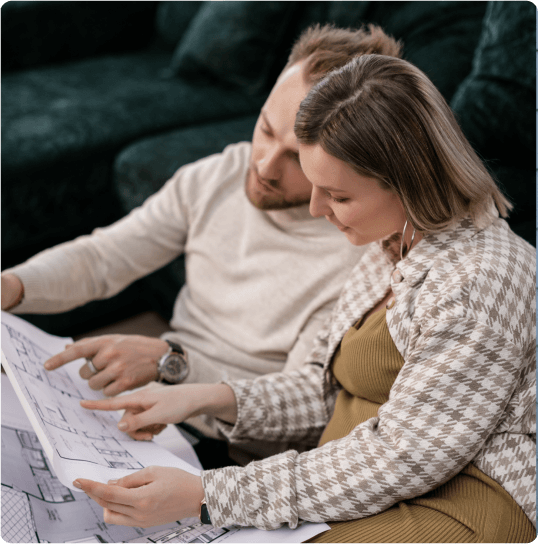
{"points": [[264, 185]]}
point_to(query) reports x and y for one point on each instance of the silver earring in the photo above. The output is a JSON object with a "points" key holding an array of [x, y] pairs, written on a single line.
{"points": [[402, 242]]}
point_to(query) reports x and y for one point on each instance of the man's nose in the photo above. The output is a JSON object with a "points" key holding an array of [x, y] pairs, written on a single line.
{"points": [[268, 165]]}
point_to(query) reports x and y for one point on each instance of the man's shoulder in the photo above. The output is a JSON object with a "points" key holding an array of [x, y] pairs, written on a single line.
{"points": [[204, 177]]}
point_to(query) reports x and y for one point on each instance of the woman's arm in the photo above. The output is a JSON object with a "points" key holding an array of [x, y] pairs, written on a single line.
{"points": [[449, 397], [148, 410]]}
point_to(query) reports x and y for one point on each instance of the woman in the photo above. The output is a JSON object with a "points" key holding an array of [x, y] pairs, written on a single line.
{"points": [[420, 391]]}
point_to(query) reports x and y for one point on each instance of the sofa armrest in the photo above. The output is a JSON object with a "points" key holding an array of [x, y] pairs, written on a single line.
{"points": [[49, 32]]}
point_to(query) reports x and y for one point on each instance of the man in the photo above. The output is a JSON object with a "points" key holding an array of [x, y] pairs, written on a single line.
{"points": [[262, 274]]}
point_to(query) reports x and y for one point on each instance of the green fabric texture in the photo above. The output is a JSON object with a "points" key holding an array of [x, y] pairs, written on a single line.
{"points": [[62, 126], [235, 43], [438, 37], [495, 105], [173, 19], [46, 32]]}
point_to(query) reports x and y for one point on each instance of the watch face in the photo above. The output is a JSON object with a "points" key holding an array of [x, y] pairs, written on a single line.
{"points": [[175, 368]]}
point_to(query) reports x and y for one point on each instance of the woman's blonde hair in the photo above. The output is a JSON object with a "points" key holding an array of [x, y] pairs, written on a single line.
{"points": [[386, 119]]}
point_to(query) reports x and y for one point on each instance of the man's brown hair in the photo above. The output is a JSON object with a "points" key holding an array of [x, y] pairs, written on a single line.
{"points": [[325, 48], [387, 120]]}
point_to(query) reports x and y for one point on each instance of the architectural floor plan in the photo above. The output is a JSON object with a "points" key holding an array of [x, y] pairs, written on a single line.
{"points": [[48, 440]]}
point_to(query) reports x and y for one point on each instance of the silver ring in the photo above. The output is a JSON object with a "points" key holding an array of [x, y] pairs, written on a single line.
{"points": [[91, 366]]}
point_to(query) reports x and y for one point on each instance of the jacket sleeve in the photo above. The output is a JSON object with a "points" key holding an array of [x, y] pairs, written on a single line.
{"points": [[448, 398], [101, 264], [281, 407]]}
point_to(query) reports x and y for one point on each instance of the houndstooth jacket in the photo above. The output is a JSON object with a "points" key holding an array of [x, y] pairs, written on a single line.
{"points": [[464, 321]]}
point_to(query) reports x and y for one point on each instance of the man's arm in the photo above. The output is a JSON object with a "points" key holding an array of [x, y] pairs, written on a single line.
{"points": [[100, 265], [12, 291]]}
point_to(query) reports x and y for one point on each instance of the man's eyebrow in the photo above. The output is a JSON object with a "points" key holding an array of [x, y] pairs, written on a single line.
{"points": [[266, 120]]}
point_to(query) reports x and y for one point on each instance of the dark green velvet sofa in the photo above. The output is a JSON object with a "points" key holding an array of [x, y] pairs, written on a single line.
{"points": [[103, 101]]}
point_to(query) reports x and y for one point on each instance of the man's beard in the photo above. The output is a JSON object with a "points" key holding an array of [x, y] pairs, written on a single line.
{"points": [[266, 200]]}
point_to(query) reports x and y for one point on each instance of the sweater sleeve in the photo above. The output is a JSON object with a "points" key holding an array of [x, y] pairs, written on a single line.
{"points": [[448, 398], [100, 265]]}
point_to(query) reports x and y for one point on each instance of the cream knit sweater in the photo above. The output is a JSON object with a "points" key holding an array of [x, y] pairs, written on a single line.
{"points": [[259, 284]]}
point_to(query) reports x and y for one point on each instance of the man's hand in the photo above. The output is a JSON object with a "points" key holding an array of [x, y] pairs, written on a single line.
{"points": [[146, 411], [12, 291], [149, 497], [122, 361]]}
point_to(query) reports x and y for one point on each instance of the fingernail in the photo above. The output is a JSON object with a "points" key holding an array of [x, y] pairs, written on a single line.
{"points": [[112, 482], [77, 484], [122, 425], [47, 365]]}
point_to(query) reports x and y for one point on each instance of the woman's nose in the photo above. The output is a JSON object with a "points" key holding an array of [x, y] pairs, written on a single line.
{"points": [[318, 204]]}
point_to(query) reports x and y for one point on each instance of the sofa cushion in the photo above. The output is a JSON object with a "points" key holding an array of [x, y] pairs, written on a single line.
{"points": [[235, 42], [495, 105], [439, 37], [51, 113], [63, 125], [173, 19], [46, 32]]}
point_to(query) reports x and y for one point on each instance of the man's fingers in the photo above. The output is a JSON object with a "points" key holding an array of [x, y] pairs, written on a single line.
{"points": [[71, 353], [115, 387], [102, 379]]}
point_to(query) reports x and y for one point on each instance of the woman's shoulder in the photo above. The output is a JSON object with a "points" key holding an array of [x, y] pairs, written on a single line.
{"points": [[489, 277]]}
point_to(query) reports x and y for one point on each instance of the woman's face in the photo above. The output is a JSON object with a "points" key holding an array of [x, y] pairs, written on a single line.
{"points": [[357, 205]]}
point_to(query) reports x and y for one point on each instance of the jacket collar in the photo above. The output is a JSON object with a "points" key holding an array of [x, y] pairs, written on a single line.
{"points": [[420, 259]]}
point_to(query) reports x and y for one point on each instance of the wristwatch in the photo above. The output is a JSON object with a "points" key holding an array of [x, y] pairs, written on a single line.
{"points": [[204, 514], [173, 366]]}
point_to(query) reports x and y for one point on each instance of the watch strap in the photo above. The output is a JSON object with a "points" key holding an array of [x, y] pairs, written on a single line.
{"points": [[204, 513], [175, 347]]}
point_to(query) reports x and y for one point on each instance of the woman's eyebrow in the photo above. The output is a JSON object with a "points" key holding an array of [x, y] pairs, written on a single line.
{"points": [[332, 189]]}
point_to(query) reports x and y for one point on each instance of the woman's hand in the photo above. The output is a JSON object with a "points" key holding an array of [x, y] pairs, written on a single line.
{"points": [[149, 497], [148, 410]]}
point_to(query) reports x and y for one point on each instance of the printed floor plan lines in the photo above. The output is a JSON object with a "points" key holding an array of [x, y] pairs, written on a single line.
{"points": [[17, 521], [31, 359]]}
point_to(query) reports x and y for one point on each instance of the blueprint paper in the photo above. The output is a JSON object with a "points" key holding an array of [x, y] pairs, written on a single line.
{"points": [[78, 442], [38, 505]]}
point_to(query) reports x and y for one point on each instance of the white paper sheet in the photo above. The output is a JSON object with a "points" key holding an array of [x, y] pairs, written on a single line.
{"points": [[78, 442], [50, 440]]}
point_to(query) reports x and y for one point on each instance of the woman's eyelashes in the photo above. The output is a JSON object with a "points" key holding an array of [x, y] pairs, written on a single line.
{"points": [[336, 199]]}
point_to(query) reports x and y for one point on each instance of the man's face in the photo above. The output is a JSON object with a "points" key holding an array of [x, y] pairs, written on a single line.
{"points": [[275, 180]]}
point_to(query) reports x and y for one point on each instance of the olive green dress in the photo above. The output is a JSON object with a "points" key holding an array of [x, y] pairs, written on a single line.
{"points": [[471, 507]]}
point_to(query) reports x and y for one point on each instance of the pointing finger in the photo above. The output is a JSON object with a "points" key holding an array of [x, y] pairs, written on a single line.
{"points": [[71, 353]]}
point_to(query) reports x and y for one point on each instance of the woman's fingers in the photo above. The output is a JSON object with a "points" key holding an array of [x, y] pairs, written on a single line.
{"points": [[132, 401], [115, 518], [114, 506], [136, 479], [106, 492]]}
